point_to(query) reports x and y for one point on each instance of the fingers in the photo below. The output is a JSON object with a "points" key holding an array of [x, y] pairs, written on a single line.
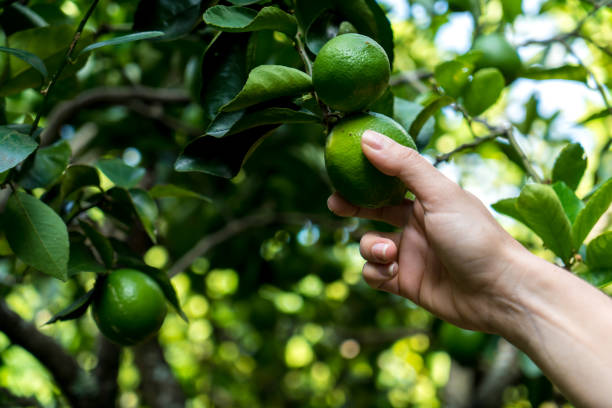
{"points": [[381, 252], [378, 247], [393, 159], [395, 215], [381, 277]]}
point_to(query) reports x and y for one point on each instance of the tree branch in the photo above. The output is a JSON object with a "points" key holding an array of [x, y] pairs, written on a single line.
{"points": [[116, 96], [238, 226], [47, 90], [503, 372], [8, 399], [156, 112], [68, 375], [477, 142], [507, 132], [106, 372], [158, 386]]}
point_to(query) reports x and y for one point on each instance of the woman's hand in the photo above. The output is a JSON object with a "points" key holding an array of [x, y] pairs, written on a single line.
{"points": [[450, 257]]}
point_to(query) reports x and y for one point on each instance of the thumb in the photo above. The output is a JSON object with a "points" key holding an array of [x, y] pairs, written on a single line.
{"points": [[394, 159]]}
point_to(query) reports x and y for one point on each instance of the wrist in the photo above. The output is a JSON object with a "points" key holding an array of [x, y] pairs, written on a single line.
{"points": [[525, 285]]}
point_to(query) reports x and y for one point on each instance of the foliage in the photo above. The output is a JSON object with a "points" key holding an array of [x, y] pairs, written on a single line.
{"points": [[183, 139]]}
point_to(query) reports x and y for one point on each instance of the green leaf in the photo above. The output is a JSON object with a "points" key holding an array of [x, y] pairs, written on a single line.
{"points": [[599, 252], [221, 157], [15, 147], [570, 165], [75, 310], [245, 2], [76, 177], [512, 9], [428, 112], [145, 35], [235, 122], [453, 76], [531, 113], [484, 90], [570, 202], [81, 258], [542, 211], [146, 210], [29, 58], [100, 243], [236, 19], [30, 15], [50, 44], [120, 173], [224, 70], [307, 11], [170, 190], [510, 152], [507, 206], [224, 122], [599, 278], [405, 113], [268, 48], [160, 277], [592, 211], [268, 82], [568, 72], [47, 166], [174, 17], [272, 116], [384, 104], [323, 28], [369, 19], [37, 235]]}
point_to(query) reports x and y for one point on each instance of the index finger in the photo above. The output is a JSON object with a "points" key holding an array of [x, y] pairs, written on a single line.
{"points": [[394, 215]]}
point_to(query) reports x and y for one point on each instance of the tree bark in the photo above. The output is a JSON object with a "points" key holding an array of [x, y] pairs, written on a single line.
{"points": [[158, 386], [81, 389]]}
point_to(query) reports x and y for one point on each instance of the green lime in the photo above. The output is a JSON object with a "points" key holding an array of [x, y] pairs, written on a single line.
{"points": [[351, 72], [463, 345], [498, 53], [129, 307], [350, 172]]}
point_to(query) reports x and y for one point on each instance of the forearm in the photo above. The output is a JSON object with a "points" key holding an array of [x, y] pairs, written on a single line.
{"points": [[565, 325]]}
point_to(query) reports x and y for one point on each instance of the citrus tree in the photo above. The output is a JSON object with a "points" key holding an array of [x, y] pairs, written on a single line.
{"points": [[125, 129]]}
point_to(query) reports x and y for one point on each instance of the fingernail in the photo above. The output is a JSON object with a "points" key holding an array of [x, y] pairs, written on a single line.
{"points": [[373, 139], [392, 270], [380, 251]]}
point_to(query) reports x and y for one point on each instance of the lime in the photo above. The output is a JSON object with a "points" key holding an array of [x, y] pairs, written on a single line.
{"points": [[351, 72], [129, 307], [463, 345], [350, 172], [498, 53]]}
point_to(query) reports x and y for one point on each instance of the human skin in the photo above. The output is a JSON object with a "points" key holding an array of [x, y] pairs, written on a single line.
{"points": [[452, 258]]}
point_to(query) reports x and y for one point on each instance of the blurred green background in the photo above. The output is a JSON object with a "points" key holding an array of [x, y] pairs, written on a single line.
{"points": [[278, 313]]}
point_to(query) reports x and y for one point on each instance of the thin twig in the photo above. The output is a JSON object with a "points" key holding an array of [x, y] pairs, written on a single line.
{"points": [[477, 142], [156, 112], [238, 226], [116, 95], [526, 162], [301, 49], [47, 90], [598, 85], [507, 132]]}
